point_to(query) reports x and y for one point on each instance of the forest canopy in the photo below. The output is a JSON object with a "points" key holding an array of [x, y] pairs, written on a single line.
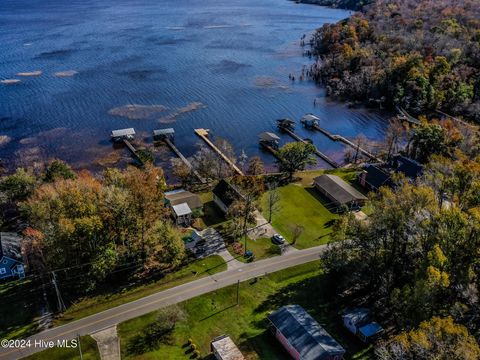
{"points": [[421, 55]]}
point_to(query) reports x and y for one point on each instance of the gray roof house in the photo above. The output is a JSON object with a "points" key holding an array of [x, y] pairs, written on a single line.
{"points": [[303, 337], [11, 259], [338, 191]]}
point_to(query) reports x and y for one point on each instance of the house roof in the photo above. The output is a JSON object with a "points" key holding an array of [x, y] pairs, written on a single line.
{"points": [[11, 246], [123, 132], [181, 209], [376, 177], [182, 196], [226, 192], [268, 136], [226, 348], [306, 335], [338, 189], [407, 166]]}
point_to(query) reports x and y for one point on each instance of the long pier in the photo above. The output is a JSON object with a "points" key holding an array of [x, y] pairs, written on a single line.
{"points": [[345, 141], [177, 152], [318, 153], [407, 117], [203, 133]]}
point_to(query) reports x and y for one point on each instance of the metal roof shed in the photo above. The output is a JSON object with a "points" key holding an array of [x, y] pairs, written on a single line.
{"points": [[181, 209], [302, 336], [225, 349], [338, 191]]}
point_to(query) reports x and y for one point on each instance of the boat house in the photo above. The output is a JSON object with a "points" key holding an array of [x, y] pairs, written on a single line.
{"points": [[303, 337], [123, 134]]}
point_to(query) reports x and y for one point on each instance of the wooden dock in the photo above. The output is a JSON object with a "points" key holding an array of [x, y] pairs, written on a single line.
{"points": [[177, 152], [318, 153], [345, 141], [203, 134], [132, 149], [404, 116]]}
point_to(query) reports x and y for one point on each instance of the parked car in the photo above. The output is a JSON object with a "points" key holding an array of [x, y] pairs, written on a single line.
{"points": [[278, 239]]}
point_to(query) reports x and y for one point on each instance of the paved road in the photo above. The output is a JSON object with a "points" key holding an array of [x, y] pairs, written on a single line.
{"points": [[111, 317]]}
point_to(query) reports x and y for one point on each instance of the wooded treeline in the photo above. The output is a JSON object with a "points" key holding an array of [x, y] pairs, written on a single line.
{"points": [[92, 226], [422, 55], [342, 4], [416, 260]]}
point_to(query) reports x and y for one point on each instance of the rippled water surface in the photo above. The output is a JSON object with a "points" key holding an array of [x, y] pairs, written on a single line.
{"points": [[221, 65]]}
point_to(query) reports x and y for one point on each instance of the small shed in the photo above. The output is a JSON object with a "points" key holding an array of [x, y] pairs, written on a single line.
{"points": [[310, 120], [224, 348], [338, 191], [123, 134], [302, 336], [359, 322], [183, 214], [161, 134]]}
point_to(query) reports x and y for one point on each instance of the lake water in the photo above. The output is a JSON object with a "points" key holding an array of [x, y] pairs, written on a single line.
{"points": [[221, 65]]}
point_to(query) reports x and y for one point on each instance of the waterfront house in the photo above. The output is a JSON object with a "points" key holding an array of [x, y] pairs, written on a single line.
{"points": [[223, 348], [303, 337], [373, 177], [225, 194], [408, 167], [185, 206], [11, 259], [338, 192]]}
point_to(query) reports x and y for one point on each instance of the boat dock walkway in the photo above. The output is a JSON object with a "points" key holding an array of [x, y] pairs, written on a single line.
{"points": [[404, 116], [203, 133], [132, 149], [345, 141], [318, 153], [177, 152]]}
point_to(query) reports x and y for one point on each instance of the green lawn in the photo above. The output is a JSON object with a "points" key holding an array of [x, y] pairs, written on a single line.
{"points": [[193, 271], [88, 346], [301, 204], [262, 248], [216, 313]]}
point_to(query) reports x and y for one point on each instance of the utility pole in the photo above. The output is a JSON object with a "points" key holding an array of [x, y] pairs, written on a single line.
{"points": [[61, 304], [238, 292], [79, 347]]}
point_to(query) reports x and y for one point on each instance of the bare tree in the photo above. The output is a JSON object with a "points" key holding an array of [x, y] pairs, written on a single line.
{"points": [[297, 231], [273, 199], [393, 137], [255, 166], [181, 170]]}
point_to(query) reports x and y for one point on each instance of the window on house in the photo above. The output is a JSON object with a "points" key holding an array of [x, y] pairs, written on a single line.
{"points": [[5, 261], [3, 271]]}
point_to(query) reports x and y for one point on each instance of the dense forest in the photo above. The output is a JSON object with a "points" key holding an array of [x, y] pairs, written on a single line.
{"points": [[421, 55]]}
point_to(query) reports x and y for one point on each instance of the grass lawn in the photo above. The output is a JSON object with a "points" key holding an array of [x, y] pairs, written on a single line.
{"points": [[193, 271], [262, 248], [301, 204], [89, 352], [216, 313], [21, 302]]}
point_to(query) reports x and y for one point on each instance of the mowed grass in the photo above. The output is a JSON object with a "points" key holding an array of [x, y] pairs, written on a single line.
{"points": [[87, 344], [193, 271], [301, 204], [217, 313], [262, 248]]}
